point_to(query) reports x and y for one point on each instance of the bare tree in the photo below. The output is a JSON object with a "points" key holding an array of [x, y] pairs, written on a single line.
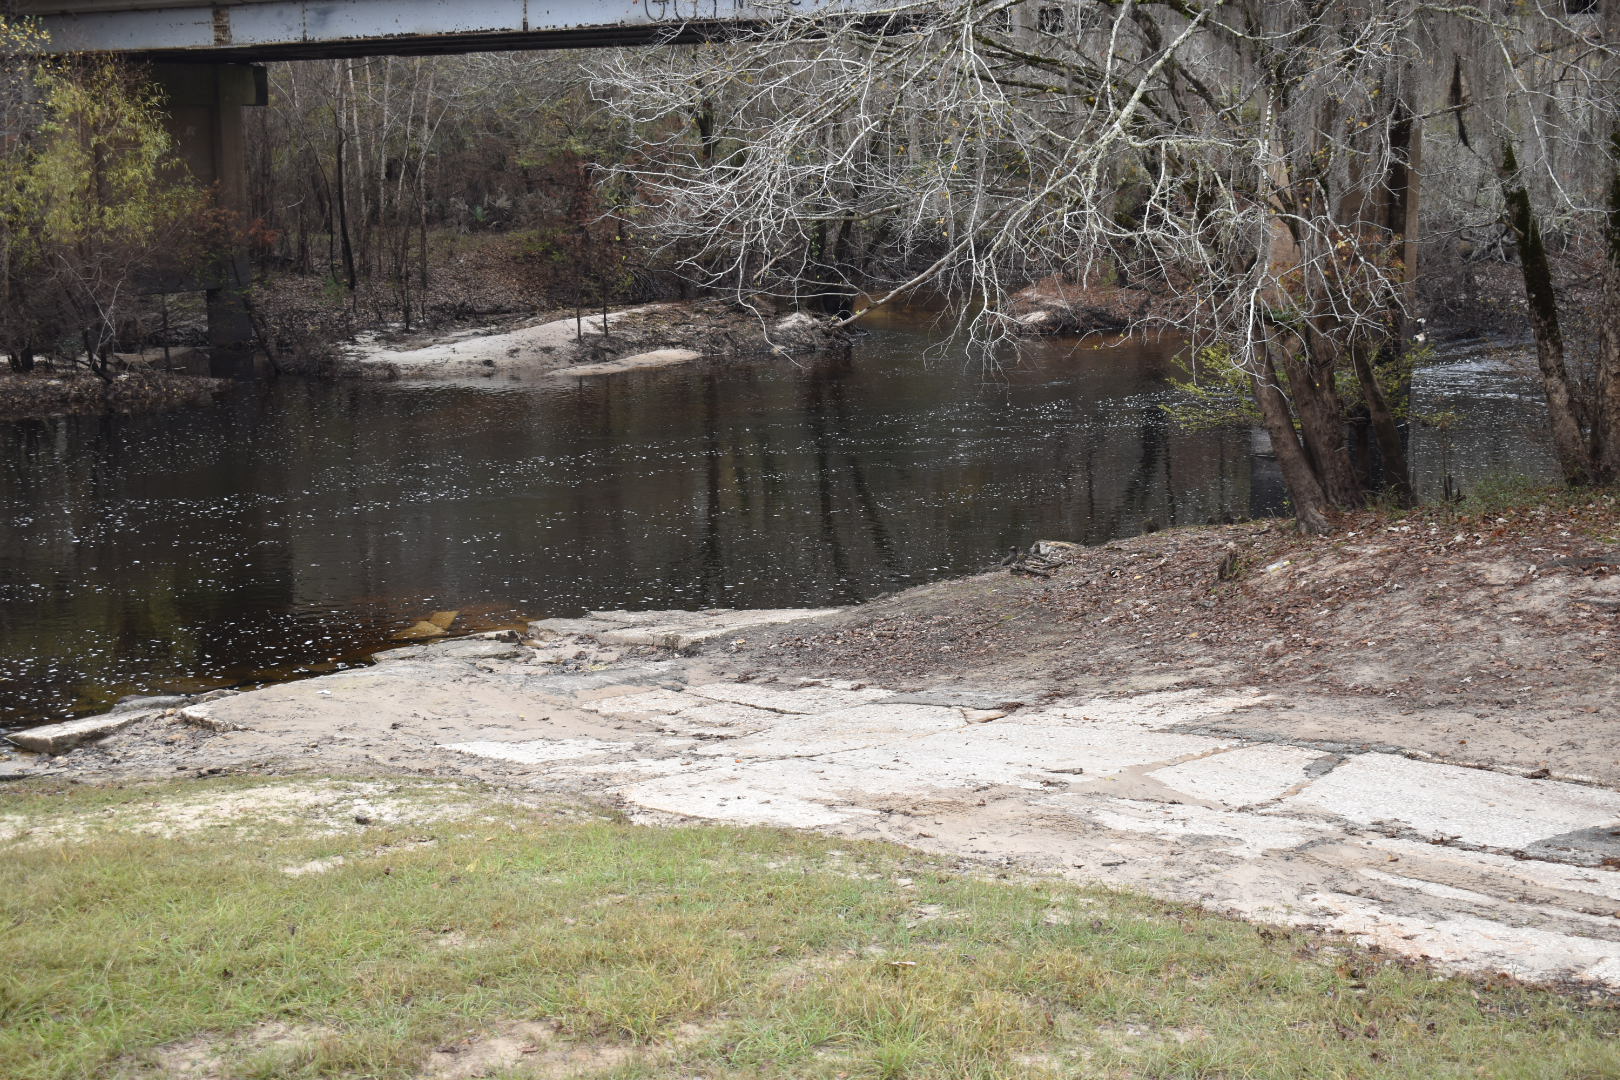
{"points": [[1527, 129], [1245, 157], [357, 164]]}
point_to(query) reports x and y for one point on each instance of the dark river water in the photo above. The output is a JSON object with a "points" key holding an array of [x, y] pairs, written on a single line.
{"points": [[295, 526]]}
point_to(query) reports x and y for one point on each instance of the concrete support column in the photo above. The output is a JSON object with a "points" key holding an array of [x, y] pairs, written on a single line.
{"points": [[205, 103]]}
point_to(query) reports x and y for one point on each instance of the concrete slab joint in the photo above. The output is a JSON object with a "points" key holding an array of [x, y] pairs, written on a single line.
{"points": [[1146, 790]]}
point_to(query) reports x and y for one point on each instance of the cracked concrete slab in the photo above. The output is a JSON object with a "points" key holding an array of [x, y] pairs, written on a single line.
{"points": [[841, 729], [1027, 754], [1196, 826], [649, 703], [1474, 943], [1158, 709], [1591, 889], [717, 719], [60, 738], [686, 714], [678, 630], [1492, 810], [989, 700], [537, 751], [1175, 792], [1600, 844], [761, 793], [1243, 777], [806, 701]]}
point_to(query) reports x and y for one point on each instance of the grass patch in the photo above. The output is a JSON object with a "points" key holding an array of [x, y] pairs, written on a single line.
{"points": [[511, 941], [1592, 510]]}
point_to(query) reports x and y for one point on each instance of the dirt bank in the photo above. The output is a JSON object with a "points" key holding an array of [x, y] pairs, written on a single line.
{"points": [[1404, 732], [1224, 798], [1058, 306], [1490, 637], [61, 392]]}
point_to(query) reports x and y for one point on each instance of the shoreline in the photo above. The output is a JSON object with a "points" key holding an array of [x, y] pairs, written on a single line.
{"points": [[626, 339], [1429, 822], [636, 338], [47, 392]]}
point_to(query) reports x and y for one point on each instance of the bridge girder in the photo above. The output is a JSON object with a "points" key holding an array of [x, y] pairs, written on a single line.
{"points": [[259, 30]]}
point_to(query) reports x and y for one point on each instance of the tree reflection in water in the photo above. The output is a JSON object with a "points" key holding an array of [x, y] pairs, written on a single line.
{"points": [[295, 525]]}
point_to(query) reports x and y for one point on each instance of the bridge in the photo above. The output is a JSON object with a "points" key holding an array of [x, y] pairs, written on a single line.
{"points": [[206, 56], [260, 30]]}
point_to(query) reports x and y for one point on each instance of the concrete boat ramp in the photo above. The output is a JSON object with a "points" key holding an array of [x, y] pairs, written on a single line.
{"points": [[1168, 791]]}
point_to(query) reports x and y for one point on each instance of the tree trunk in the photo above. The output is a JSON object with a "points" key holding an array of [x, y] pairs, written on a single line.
{"points": [[426, 142], [1606, 403], [1401, 190], [343, 217], [1402, 193], [1321, 426], [1304, 490], [1568, 445], [95, 358], [422, 239], [843, 304], [704, 120], [363, 214], [1386, 429]]}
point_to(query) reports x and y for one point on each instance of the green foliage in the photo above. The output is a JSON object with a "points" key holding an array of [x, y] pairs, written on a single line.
{"points": [[1394, 379], [1499, 492], [1444, 421], [1216, 392], [545, 243], [89, 200], [98, 175]]}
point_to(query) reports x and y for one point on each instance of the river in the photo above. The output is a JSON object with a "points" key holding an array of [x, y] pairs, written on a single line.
{"points": [[295, 526]]}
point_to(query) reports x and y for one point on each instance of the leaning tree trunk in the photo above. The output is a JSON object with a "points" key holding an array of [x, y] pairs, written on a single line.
{"points": [[1321, 429], [1399, 198], [1568, 444], [1386, 429], [1304, 489]]}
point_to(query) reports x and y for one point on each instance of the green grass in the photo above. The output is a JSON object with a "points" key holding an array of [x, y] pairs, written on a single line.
{"points": [[681, 952], [1509, 492]]}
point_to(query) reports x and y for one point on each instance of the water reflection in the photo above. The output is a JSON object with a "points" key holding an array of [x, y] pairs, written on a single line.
{"points": [[295, 525]]}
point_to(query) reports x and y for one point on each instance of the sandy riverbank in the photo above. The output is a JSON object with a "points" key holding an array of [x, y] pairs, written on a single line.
{"points": [[589, 346], [629, 339]]}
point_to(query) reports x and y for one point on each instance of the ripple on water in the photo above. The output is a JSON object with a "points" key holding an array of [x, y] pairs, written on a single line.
{"points": [[293, 527]]}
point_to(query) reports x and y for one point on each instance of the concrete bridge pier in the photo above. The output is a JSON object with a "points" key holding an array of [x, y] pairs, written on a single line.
{"points": [[205, 102]]}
